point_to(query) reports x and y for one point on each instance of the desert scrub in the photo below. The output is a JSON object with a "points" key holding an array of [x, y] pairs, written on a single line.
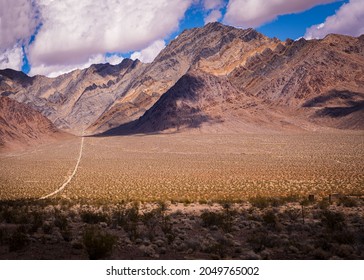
{"points": [[60, 221], [12, 215], [128, 219], [265, 202], [292, 214], [91, 217], [3, 236], [99, 244], [223, 220], [259, 240], [270, 218], [333, 220], [347, 201], [18, 240], [37, 219]]}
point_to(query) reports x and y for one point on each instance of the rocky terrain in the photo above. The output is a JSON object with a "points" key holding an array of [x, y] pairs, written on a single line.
{"points": [[21, 125], [216, 78]]}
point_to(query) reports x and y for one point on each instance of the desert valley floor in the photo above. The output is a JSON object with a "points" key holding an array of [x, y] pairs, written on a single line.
{"points": [[185, 196], [189, 167]]}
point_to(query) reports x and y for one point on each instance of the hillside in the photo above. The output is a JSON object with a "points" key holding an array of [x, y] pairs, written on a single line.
{"points": [[21, 125]]}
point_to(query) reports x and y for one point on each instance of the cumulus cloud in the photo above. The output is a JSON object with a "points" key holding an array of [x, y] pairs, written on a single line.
{"points": [[18, 20], [213, 16], [11, 58], [349, 20], [74, 31], [55, 70], [254, 13], [149, 53], [213, 10], [114, 59], [213, 4]]}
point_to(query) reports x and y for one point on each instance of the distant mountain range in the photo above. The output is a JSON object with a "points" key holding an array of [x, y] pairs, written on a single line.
{"points": [[216, 79]]}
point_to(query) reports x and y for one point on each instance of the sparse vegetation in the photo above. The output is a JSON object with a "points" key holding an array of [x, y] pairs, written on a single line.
{"points": [[18, 240], [91, 217], [254, 195], [98, 243], [158, 230]]}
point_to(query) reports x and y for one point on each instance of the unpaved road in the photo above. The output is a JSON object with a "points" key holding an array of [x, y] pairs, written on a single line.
{"points": [[71, 176]]}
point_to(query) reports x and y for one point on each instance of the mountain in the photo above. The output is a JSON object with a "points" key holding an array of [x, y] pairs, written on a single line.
{"points": [[214, 78], [215, 49], [20, 124], [287, 85], [74, 100]]}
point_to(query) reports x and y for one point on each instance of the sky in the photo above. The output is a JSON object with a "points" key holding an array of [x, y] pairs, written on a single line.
{"points": [[51, 37]]}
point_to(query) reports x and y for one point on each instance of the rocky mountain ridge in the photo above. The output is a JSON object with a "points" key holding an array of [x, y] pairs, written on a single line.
{"points": [[218, 76]]}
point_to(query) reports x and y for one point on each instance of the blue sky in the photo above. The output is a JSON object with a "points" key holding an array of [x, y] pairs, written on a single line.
{"points": [[51, 38], [285, 26]]}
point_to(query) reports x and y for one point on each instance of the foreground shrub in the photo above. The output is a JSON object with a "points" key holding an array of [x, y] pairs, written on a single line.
{"points": [[347, 202], [91, 217], [60, 221], [18, 240], [333, 220], [222, 220], [98, 244], [3, 236]]}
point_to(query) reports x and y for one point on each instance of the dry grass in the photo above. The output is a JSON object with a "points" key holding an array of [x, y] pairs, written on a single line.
{"points": [[197, 167]]}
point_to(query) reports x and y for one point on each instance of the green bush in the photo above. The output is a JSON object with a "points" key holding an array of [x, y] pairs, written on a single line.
{"points": [[98, 244]]}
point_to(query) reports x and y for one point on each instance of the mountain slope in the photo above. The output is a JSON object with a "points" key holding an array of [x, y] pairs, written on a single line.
{"points": [[20, 124], [74, 100], [214, 48]]}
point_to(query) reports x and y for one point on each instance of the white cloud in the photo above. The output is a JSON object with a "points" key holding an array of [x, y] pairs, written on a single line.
{"points": [[213, 10], [254, 13], [17, 22], [59, 69], [74, 31], [11, 58], [149, 53], [349, 20], [213, 4], [114, 59], [213, 16]]}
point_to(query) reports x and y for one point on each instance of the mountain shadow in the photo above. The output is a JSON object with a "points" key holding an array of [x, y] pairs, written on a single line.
{"points": [[181, 107]]}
